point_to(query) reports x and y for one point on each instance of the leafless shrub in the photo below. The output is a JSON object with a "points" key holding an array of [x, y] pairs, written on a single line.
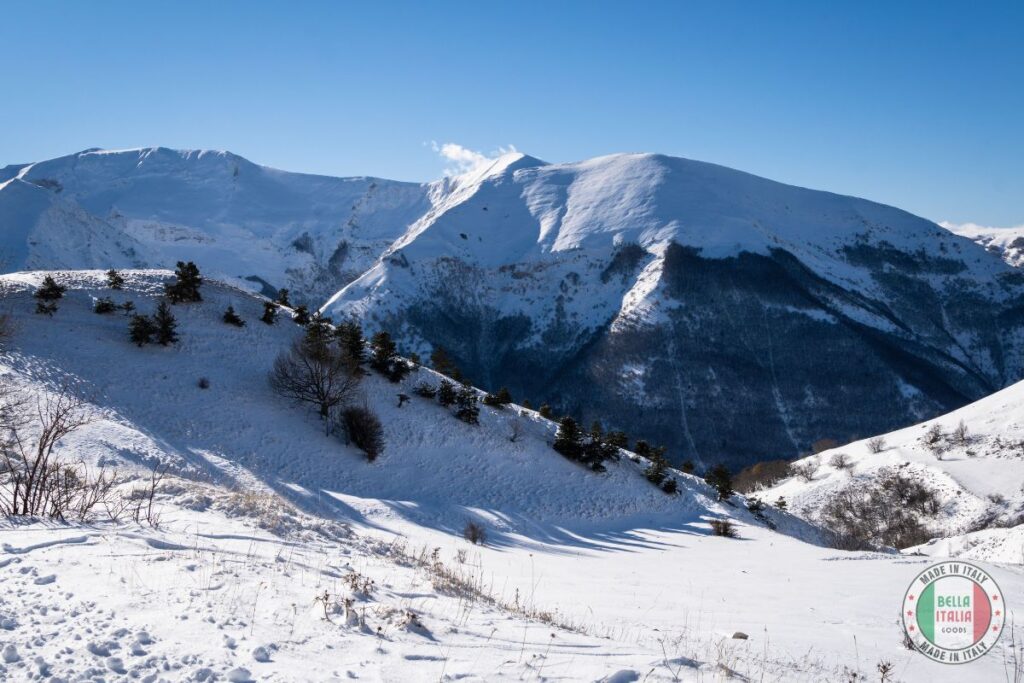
{"points": [[203, 383], [960, 436], [804, 470], [33, 481], [888, 512], [997, 498], [474, 533], [143, 498], [841, 461], [315, 372], [723, 527], [877, 444], [515, 431]]}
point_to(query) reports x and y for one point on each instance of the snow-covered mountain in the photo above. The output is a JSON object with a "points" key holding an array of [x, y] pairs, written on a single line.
{"points": [[152, 207], [728, 316], [1007, 242], [972, 459], [282, 554]]}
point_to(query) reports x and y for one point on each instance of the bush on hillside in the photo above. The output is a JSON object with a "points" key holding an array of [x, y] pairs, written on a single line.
{"points": [[269, 316], [114, 279], [364, 429], [719, 478], [231, 318], [425, 390], [723, 527], [104, 305], [474, 533]]}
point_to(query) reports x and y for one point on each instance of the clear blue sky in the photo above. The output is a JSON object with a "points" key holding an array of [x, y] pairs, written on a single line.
{"points": [[916, 104]]}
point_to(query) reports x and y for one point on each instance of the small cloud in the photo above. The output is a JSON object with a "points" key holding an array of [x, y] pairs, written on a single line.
{"points": [[464, 160]]}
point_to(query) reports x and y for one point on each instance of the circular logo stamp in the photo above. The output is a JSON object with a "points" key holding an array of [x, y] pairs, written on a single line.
{"points": [[953, 612]]}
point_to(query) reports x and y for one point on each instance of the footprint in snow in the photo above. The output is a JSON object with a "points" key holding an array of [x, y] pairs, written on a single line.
{"points": [[43, 580]]}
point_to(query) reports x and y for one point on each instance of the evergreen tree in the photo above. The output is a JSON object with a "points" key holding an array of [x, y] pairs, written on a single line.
{"points": [[353, 344], [104, 305], [446, 393], [617, 439], [504, 396], [47, 296], [569, 439], [687, 467], [383, 352], [128, 307], [269, 312], [414, 358], [545, 411], [141, 329], [282, 298], [165, 324], [114, 279], [527, 404], [467, 409], [721, 480], [643, 448], [185, 287], [301, 315], [443, 363], [318, 337], [596, 449]]}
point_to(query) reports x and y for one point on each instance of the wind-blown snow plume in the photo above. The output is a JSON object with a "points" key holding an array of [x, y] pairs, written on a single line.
{"points": [[463, 160]]}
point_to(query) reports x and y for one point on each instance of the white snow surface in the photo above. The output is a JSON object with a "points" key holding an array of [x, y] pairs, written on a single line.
{"points": [[980, 483], [599, 577], [1006, 242]]}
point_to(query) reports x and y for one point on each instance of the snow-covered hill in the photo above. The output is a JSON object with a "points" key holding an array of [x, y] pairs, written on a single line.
{"points": [[583, 576], [728, 316], [1006, 242], [972, 458], [152, 207]]}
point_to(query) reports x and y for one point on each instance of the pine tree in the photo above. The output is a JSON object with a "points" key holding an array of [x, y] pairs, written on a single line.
{"points": [[617, 438], [504, 396], [318, 337], [545, 411], [721, 480], [269, 312], [114, 279], [141, 329], [47, 296], [282, 298], [443, 363], [569, 439], [527, 404], [301, 315], [185, 287], [231, 318], [467, 409], [165, 324], [446, 393], [353, 344], [383, 352]]}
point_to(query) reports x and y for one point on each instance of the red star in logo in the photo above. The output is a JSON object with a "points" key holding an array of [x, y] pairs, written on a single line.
{"points": [[910, 613], [910, 597], [910, 628], [995, 628], [998, 613], [995, 597]]}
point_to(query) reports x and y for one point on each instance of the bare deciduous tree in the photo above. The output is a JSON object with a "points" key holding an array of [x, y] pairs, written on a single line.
{"points": [[315, 372]]}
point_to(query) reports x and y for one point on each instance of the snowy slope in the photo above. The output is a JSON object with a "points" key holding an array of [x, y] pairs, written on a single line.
{"points": [[980, 481], [240, 220], [584, 576], [1005, 242]]}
